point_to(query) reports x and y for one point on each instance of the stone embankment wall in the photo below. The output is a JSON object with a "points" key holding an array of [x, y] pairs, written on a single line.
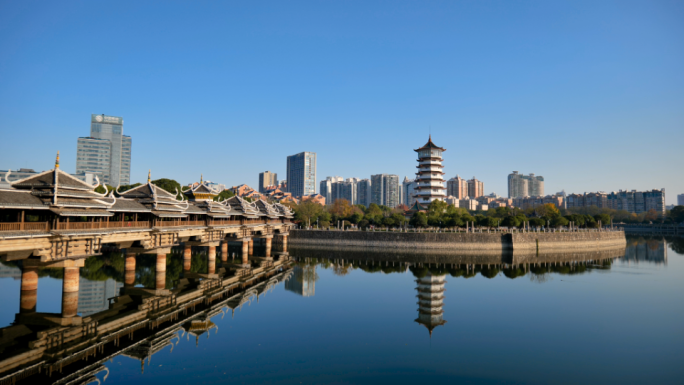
{"points": [[489, 242]]}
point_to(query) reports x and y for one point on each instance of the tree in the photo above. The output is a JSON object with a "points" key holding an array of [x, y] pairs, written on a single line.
{"points": [[677, 214], [510, 222], [101, 190], [651, 215], [363, 224], [437, 208], [169, 185], [341, 208], [356, 218], [399, 219], [547, 210], [127, 187], [559, 221], [419, 219], [537, 222], [604, 218], [307, 212], [223, 195], [374, 209]]}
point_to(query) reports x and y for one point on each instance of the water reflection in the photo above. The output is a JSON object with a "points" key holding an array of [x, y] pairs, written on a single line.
{"points": [[139, 325]]}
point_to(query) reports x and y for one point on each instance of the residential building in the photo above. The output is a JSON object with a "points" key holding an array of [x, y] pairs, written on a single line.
{"points": [[408, 191], [385, 190], [106, 152], [475, 188], [468, 204], [326, 187], [430, 177], [363, 192], [637, 202], [301, 174], [525, 185], [680, 200], [457, 187], [532, 202], [267, 179]]}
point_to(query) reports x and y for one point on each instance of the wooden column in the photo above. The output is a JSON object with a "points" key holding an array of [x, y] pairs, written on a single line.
{"points": [[29, 290], [224, 251], [285, 243], [245, 251], [251, 247], [70, 292], [160, 272], [211, 268], [129, 268], [269, 242]]}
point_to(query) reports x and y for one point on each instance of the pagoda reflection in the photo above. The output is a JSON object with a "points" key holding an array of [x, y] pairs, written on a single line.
{"points": [[431, 300]]}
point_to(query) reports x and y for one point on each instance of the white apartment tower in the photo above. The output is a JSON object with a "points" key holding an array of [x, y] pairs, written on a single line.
{"points": [[106, 152], [429, 178]]}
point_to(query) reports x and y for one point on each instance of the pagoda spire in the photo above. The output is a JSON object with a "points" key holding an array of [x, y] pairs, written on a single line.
{"points": [[201, 178], [57, 160], [149, 176]]}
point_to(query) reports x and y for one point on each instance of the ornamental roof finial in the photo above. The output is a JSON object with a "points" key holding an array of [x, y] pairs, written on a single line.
{"points": [[149, 176], [57, 160], [201, 178]]}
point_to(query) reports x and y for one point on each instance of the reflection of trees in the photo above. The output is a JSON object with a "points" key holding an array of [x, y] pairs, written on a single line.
{"points": [[489, 272], [676, 244], [342, 269]]}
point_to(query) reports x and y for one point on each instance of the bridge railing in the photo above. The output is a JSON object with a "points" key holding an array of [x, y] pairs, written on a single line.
{"points": [[100, 225], [224, 222], [25, 226]]}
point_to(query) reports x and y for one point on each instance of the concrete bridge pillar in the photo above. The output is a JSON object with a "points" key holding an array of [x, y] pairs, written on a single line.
{"points": [[211, 269], [70, 291], [251, 247], [224, 251], [29, 290], [129, 268], [187, 257], [160, 272]]}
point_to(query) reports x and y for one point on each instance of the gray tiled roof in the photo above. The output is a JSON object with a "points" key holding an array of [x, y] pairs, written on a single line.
{"points": [[20, 199]]}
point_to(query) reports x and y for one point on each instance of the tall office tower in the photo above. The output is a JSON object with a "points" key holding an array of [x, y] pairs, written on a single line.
{"points": [[535, 185], [431, 300], [266, 179], [475, 188], [408, 191], [680, 200], [430, 176], [301, 174], [106, 152], [326, 188], [520, 186], [93, 296], [363, 192], [385, 190], [457, 187]]}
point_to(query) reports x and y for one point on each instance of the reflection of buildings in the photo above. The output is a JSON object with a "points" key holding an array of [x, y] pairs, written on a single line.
{"points": [[10, 272], [430, 301], [93, 296], [303, 281], [654, 251]]}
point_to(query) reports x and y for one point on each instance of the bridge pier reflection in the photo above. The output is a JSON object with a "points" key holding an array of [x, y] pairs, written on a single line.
{"points": [[29, 290], [187, 257], [129, 270], [211, 267], [160, 272], [224, 251], [70, 291]]}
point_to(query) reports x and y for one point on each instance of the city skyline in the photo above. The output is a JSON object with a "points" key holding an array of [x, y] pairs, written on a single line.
{"points": [[555, 90]]}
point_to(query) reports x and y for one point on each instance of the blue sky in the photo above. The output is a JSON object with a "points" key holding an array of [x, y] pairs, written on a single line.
{"points": [[588, 94]]}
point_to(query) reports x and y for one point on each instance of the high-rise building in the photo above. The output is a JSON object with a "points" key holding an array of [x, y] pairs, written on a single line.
{"points": [[475, 188], [520, 186], [430, 176], [408, 191], [326, 188], [301, 174], [457, 187], [93, 296], [385, 190], [680, 200], [106, 152], [266, 179], [363, 192]]}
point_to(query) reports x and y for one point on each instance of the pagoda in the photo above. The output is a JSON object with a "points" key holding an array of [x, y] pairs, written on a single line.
{"points": [[429, 178], [430, 301]]}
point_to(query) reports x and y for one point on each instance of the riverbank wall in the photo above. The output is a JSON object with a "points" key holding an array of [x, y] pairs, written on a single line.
{"points": [[463, 242]]}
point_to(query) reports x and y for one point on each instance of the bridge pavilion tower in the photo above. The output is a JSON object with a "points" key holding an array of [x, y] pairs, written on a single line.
{"points": [[430, 178], [430, 301]]}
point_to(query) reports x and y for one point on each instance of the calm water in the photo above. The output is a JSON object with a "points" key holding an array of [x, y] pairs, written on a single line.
{"points": [[614, 321]]}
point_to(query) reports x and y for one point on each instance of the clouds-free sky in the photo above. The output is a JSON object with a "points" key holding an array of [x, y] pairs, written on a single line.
{"points": [[588, 94]]}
